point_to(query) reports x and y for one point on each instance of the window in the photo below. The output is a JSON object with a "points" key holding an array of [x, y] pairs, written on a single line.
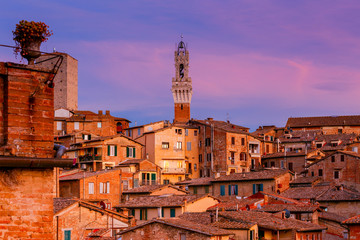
{"points": [[186, 132], [91, 188], [232, 158], [206, 189], [233, 140], [195, 133], [257, 188], [200, 157], [58, 125], [178, 131], [76, 125], [172, 212], [67, 234], [99, 124], [320, 172], [86, 136], [133, 212], [242, 141], [130, 152], [195, 189], [342, 158], [207, 142], [252, 235], [312, 173], [336, 174], [272, 164], [165, 145], [182, 236], [319, 145], [282, 164], [178, 145], [242, 156], [208, 157], [222, 190], [340, 130], [125, 184], [139, 131], [290, 166], [355, 149], [188, 146], [233, 190], [332, 158], [143, 214], [195, 167], [199, 144], [179, 179], [105, 187], [166, 181], [112, 150], [267, 148]]}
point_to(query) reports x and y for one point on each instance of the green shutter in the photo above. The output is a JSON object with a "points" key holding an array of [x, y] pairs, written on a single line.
{"points": [[115, 150], [127, 152], [195, 190], [153, 177], [141, 214], [67, 234], [108, 150], [148, 176], [254, 188], [162, 212], [143, 176], [222, 190], [236, 190], [145, 214], [172, 212], [133, 152], [229, 187], [261, 187], [133, 212]]}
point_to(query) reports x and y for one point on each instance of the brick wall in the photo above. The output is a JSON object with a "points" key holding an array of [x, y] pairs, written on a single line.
{"points": [[182, 112]]}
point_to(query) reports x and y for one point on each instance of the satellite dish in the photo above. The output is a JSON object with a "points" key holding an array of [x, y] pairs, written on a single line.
{"points": [[287, 213], [258, 206]]}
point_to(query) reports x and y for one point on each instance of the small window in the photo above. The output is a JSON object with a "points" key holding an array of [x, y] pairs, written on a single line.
{"points": [[99, 124], [195, 190], [320, 172], [67, 234], [195, 167], [290, 166], [319, 145], [207, 142], [178, 131], [91, 188], [200, 157], [336, 174], [112, 150], [332, 158], [342, 158], [139, 131], [208, 157], [186, 132], [312, 174], [340, 130], [188, 146], [206, 189], [233, 140], [182, 236], [178, 145], [166, 181], [195, 133], [130, 152], [165, 145], [58, 125], [172, 212], [76, 125], [242, 141], [143, 214]]}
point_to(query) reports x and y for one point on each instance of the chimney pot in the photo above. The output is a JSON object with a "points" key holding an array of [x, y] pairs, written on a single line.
{"points": [[107, 112], [100, 112]]}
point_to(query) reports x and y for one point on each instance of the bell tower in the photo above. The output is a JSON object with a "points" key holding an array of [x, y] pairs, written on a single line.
{"points": [[181, 84]]}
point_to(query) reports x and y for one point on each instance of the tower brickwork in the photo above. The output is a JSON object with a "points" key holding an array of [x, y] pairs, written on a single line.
{"points": [[181, 85]]}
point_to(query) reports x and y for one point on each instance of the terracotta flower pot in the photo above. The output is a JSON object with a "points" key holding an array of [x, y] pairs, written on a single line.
{"points": [[30, 51]]}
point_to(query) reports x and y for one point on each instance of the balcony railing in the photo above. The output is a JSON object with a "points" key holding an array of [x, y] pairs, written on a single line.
{"points": [[87, 158], [174, 170]]}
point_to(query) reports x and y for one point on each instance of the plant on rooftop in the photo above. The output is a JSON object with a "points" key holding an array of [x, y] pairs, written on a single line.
{"points": [[28, 37]]}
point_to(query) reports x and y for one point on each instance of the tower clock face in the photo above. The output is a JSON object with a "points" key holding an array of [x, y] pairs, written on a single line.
{"points": [[181, 71]]}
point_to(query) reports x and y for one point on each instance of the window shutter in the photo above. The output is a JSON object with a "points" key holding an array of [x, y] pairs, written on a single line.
{"points": [[254, 188], [108, 150], [261, 187], [141, 214], [145, 214], [222, 190], [236, 190], [172, 212], [229, 187], [153, 176], [127, 152], [133, 152], [115, 150], [89, 136], [162, 212], [133, 212]]}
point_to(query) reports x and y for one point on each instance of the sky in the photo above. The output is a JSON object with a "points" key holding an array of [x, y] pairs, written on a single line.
{"points": [[252, 62]]}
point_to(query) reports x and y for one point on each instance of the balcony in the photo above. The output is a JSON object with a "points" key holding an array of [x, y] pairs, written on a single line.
{"points": [[174, 170], [90, 158]]}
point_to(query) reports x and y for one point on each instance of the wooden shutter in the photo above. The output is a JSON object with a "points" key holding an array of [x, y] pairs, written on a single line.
{"points": [[108, 150], [261, 187], [141, 214], [236, 190], [222, 190], [115, 150], [127, 151], [254, 188], [229, 187], [133, 152]]}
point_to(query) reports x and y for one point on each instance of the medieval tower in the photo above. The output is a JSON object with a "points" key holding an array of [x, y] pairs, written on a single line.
{"points": [[181, 85]]}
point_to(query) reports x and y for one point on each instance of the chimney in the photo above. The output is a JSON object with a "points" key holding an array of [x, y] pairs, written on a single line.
{"points": [[100, 112], [210, 119], [107, 112]]}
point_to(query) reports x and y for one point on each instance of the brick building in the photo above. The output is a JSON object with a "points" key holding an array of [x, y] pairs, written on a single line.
{"points": [[341, 167], [153, 190], [353, 224], [226, 148], [293, 161], [137, 131], [28, 167], [69, 122], [66, 80], [77, 219]]}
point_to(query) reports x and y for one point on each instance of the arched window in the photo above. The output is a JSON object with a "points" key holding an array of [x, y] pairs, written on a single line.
{"points": [[181, 71], [119, 127]]}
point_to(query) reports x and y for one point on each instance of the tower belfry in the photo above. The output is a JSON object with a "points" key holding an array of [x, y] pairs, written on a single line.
{"points": [[181, 84]]}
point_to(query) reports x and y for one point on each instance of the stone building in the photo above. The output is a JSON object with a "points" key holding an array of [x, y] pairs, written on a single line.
{"points": [[65, 81], [181, 85], [353, 224], [28, 167]]}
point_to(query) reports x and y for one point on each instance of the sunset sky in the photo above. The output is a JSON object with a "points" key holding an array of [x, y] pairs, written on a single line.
{"points": [[255, 62]]}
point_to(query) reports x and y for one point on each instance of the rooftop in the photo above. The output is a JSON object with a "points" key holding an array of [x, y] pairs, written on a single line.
{"points": [[250, 176], [323, 121]]}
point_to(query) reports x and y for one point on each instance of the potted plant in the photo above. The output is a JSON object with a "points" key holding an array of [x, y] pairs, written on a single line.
{"points": [[28, 37]]}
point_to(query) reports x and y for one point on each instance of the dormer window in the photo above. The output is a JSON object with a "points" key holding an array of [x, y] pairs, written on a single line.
{"points": [[319, 144]]}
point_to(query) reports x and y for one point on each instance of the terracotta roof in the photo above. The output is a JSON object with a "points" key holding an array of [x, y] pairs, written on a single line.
{"points": [[250, 176], [332, 216], [225, 126], [82, 174], [299, 136], [350, 153], [197, 181], [269, 221], [263, 130], [353, 220], [293, 208], [187, 225], [109, 137], [305, 192], [324, 121], [234, 204], [283, 154], [305, 180], [61, 203], [160, 201], [131, 161], [150, 189], [339, 193]]}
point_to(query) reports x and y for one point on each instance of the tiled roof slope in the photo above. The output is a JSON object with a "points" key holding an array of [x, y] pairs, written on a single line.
{"points": [[332, 216], [197, 181], [160, 201], [249, 176], [305, 192], [82, 174], [324, 121], [61, 203], [353, 220], [226, 126], [187, 225], [150, 188], [339, 193]]}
